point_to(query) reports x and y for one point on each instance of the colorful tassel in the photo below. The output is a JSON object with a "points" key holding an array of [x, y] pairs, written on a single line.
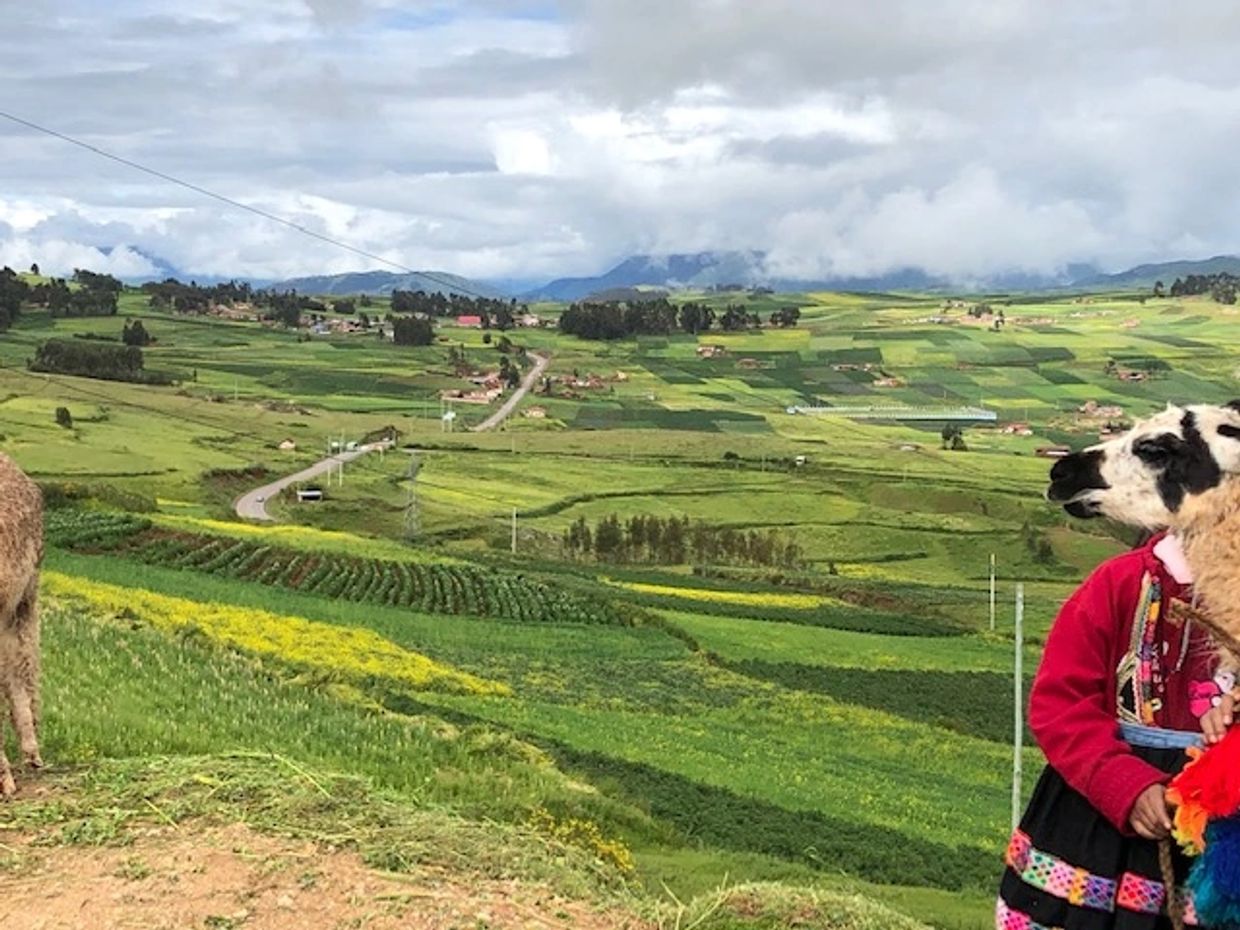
{"points": [[1207, 821], [1215, 878]]}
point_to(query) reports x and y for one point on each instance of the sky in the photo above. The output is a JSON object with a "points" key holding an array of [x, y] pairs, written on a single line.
{"points": [[530, 140]]}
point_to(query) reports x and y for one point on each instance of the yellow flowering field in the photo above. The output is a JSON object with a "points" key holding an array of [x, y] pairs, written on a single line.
{"points": [[307, 538], [351, 652], [742, 598]]}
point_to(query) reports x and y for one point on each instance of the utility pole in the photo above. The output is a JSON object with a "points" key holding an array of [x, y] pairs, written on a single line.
{"points": [[992, 592], [1018, 691], [514, 530]]}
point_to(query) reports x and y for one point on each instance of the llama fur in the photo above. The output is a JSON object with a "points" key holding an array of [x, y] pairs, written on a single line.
{"points": [[21, 552]]}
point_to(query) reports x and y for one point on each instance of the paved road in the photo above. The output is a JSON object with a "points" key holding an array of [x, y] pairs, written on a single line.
{"points": [[253, 504], [500, 415]]}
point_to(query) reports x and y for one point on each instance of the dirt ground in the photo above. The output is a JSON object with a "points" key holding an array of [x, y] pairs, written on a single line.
{"points": [[223, 878]]}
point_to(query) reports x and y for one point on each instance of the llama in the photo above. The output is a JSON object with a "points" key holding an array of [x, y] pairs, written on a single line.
{"points": [[21, 551], [1179, 469]]}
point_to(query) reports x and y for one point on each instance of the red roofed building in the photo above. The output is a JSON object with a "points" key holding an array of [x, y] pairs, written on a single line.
{"points": [[474, 321]]}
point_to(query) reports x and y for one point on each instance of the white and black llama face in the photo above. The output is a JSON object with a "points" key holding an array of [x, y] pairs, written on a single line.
{"points": [[1143, 477]]}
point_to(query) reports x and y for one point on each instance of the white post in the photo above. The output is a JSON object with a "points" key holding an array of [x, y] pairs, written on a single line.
{"points": [[514, 530], [992, 592], [1018, 689]]}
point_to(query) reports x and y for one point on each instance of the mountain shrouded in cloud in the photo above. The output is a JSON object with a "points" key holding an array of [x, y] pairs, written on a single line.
{"points": [[527, 141]]}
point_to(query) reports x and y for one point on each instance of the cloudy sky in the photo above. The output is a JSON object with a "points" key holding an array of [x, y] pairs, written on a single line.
{"points": [[530, 140]]}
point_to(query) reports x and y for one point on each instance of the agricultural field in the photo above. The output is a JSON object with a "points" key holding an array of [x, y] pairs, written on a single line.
{"points": [[711, 721]]}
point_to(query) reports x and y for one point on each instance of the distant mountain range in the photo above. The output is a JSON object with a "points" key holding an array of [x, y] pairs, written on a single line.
{"points": [[702, 270], [750, 269], [384, 282], [1144, 276]]}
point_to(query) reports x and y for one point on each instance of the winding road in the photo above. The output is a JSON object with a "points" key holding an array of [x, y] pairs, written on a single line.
{"points": [[499, 416], [253, 504]]}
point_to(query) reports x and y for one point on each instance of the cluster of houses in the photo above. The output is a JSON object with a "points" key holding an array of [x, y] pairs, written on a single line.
{"points": [[488, 387], [526, 320]]}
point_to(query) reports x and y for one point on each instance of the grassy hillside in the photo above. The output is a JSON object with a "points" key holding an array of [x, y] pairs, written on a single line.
{"points": [[683, 723]]}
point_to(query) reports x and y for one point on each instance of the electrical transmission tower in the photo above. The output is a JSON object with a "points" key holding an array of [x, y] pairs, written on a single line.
{"points": [[413, 522]]}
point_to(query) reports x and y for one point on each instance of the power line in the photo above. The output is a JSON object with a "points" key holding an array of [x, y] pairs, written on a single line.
{"points": [[129, 163]]}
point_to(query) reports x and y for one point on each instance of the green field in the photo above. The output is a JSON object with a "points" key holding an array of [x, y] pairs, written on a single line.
{"points": [[842, 723]]}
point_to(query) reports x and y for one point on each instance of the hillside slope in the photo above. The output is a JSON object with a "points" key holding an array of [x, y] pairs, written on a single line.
{"points": [[258, 841]]}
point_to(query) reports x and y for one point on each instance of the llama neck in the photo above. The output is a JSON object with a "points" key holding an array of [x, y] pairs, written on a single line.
{"points": [[1208, 526]]}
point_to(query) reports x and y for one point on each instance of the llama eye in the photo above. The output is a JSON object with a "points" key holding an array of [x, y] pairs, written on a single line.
{"points": [[1153, 453]]}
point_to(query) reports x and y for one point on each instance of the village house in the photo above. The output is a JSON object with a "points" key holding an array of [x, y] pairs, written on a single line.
{"points": [[535, 413], [531, 320], [749, 364], [1053, 452], [288, 445], [714, 351], [1091, 408], [886, 382], [1016, 429], [469, 320], [482, 396]]}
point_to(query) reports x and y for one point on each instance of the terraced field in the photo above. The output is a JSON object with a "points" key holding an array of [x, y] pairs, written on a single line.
{"points": [[843, 722]]}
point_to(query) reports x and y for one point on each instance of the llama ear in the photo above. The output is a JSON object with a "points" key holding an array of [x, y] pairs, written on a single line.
{"points": [[1233, 405]]}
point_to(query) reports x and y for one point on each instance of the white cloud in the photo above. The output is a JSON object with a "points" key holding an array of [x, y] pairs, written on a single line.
{"points": [[492, 138], [522, 151]]}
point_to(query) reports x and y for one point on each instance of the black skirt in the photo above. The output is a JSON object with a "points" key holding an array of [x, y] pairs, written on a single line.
{"points": [[1069, 868]]}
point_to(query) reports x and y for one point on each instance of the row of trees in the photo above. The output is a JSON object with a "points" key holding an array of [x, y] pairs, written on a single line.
{"points": [[498, 314], [95, 295], [171, 294], [676, 540], [660, 317], [1222, 287], [90, 359]]}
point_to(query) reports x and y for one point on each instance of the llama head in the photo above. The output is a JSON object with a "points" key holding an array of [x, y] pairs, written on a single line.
{"points": [[1144, 477]]}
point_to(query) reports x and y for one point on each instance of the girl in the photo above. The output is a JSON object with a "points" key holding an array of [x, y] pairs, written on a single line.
{"points": [[1124, 688]]}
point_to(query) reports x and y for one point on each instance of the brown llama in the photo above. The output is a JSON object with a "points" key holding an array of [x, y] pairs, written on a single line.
{"points": [[21, 551]]}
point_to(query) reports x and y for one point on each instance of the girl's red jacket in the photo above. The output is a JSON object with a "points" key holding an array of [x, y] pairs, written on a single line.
{"points": [[1072, 707]]}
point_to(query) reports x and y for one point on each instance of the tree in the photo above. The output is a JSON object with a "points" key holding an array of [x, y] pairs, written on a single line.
{"points": [[34, 268], [413, 331], [1159, 289], [786, 317], [696, 318], [953, 437], [13, 292], [608, 537], [64, 417], [135, 334]]}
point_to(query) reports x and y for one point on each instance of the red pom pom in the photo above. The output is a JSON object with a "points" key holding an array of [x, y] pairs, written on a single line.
{"points": [[1207, 788]]}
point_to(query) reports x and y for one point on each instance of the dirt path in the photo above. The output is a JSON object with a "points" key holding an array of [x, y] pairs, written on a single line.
{"points": [[232, 877], [500, 415], [253, 504]]}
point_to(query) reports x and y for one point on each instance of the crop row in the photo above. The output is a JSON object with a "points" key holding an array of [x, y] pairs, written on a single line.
{"points": [[428, 587], [90, 529]]}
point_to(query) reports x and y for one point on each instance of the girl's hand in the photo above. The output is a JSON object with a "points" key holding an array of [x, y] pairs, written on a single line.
{"points": [[1216, 720], [1150, 817]]}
